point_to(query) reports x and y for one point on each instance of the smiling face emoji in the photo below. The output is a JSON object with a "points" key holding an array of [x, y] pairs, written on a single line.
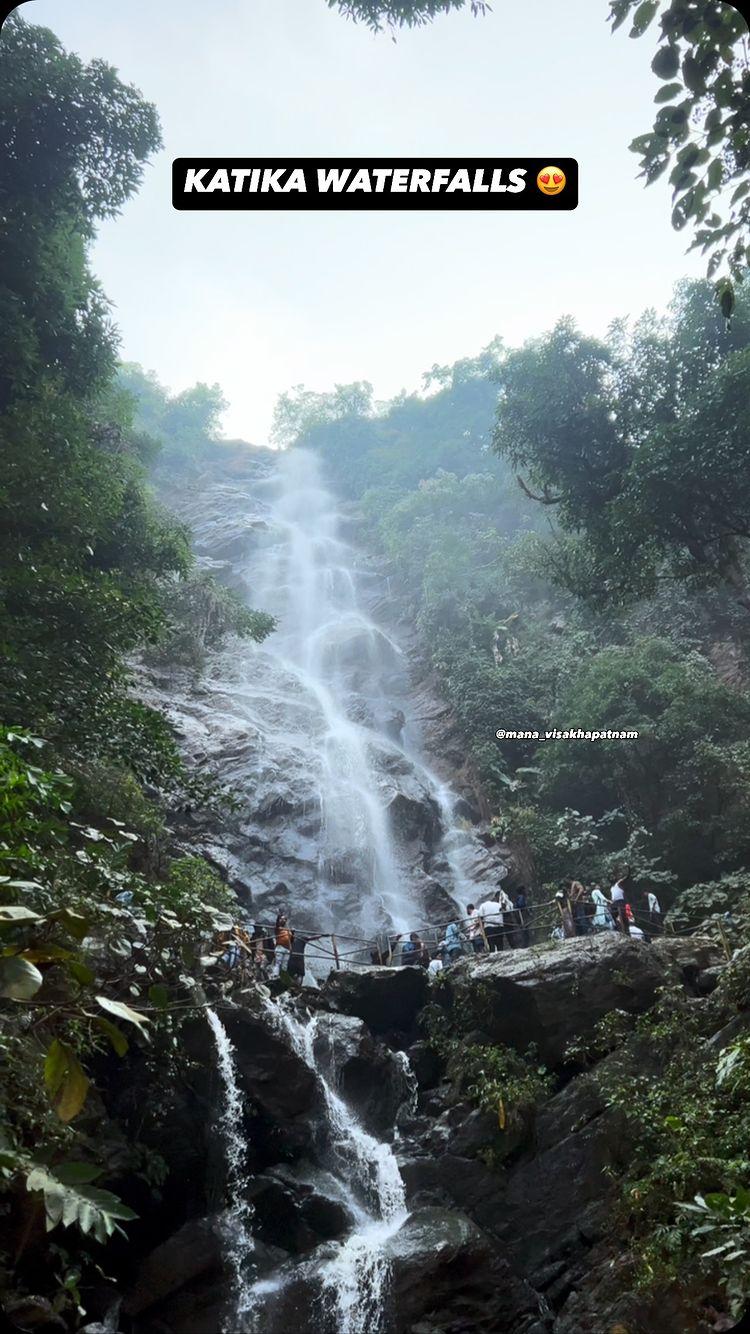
{"points": [[551, 180]]}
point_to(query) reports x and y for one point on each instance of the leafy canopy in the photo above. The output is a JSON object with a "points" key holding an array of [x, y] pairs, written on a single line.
{"points": [[639, 445], [379, 14], [701, 132]]}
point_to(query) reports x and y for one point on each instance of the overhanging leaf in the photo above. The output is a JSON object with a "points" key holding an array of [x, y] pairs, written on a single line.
{"points": [[70, 1198], [81, 972], [117, 1039], [123, 1011], [19, 979], [158, 995], [12, 914], [66, 1080]]}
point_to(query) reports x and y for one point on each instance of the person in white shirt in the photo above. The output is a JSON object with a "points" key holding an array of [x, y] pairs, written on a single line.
{"points": [[619, 902], [492, 912], [654, 913], [602, 920], [474, 929]]}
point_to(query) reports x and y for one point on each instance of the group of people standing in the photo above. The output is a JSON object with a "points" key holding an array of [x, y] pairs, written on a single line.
{"points": [[583, 910], [502, 922], [264, 952], [499, 922]]}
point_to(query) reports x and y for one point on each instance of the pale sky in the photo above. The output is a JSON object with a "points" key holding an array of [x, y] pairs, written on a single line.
{"points": [[260, 302]]}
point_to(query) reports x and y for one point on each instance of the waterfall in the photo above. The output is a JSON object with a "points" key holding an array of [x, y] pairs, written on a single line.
{"points": [[312, 728], [238, 1239], [408, 1107], [355, 1280], [330, 651]]}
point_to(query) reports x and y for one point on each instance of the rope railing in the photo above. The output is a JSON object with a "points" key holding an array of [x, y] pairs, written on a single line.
{"points": [[540, 917]]}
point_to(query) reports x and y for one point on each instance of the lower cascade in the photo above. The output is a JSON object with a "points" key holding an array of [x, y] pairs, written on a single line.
{"points": [[236, 1229], [354, 1281]]}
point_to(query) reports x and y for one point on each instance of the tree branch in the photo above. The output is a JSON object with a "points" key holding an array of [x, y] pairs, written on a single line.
{"points": [[544, 499]]}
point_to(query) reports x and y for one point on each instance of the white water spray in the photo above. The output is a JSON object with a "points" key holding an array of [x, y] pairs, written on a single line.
{"points": [[355, 1281], [238, 1239]]}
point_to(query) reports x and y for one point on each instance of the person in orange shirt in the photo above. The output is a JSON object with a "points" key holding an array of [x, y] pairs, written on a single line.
{"points": [[284, 938]]}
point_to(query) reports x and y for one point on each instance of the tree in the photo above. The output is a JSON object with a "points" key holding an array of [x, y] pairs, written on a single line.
{"points": [[83, 546], [701, 129], [300, 411], [683, 779], [186, 425], [639, 445], [73, 140], [378, 14]]}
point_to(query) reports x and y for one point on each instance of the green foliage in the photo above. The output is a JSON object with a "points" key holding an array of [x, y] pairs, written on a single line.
{"points": [[185, 425], [408, 440], [69, 1197], [467, 550], [685, 1106], [678, 779], [81, 930], [201, 615], [607, 1034], [73, 140], [722, 1222], [559, 844], [84, 548], [495, 1078], [379, 14], [611, 436], [700, 128], [730, 894]]}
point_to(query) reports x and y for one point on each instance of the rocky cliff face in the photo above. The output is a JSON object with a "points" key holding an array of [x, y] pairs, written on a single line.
{"points": [[323, 731], [502, 1229]]}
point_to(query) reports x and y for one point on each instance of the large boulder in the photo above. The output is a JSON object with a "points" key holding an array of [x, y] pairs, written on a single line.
{"points": [[292, 1215], [444, 1271], [194, 1250], [550, 996], [385, 998], [372, 1079], [274, 1078]]}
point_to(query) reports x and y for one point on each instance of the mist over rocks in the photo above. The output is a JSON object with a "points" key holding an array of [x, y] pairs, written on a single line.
{"points": [[319, 732]]}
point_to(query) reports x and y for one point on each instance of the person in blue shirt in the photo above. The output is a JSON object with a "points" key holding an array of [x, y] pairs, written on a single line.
{"points": [[452, 943]]}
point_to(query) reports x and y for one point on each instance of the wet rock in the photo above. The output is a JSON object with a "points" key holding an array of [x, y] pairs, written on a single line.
{"points": [[370, 1077], [425, 1063], [385, 998], [273, 1075], [274, 1078], [548, 997], [454, 1182], [32, 1313], [195, 1249], [438, 904], [413, 815], [291, 1216], [444, 1270], [392, 725]]}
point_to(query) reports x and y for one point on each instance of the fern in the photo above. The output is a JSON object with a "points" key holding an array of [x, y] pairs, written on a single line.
{"points": [[69, 1197]]}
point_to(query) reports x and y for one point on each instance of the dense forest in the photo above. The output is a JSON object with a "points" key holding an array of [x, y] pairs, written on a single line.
{"points": [[567, 525], [574, 558]]}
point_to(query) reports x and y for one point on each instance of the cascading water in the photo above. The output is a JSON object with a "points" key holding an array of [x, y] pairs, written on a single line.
{"points": [[336, 801], [238, 1239], [307, 726], [355, 1280], [322, 643]]}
